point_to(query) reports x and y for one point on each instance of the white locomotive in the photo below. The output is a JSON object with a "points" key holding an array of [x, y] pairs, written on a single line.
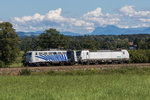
{"points": [[71, 57], [103, 56]]}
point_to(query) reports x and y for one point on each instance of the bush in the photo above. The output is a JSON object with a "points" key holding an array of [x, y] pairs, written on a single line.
{"points": [[2, 64], [139, 56], [25, 72]]}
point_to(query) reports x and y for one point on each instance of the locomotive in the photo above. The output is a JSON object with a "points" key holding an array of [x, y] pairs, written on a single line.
{"points": [[71, 57]]}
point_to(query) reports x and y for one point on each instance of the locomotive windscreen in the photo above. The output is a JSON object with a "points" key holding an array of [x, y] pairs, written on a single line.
{"points": [[78, 53], [29, 54], [70, 54]]}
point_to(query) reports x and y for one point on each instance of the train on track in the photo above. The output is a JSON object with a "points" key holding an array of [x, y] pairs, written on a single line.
{"points": [[71, 57]]}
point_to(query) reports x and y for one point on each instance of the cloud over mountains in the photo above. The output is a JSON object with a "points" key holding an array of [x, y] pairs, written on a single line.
{"points": [[126, 17], [52, 19]]}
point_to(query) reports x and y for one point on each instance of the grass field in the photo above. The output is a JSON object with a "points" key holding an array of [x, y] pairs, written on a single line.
{"points": [[76, 87], [121, 84]]}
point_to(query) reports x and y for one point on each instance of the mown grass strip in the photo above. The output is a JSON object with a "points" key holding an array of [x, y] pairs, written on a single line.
{"points": [[92, 71]]}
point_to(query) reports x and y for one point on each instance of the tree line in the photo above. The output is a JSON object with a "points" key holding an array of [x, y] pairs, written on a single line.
{"points": [[51, 38]]}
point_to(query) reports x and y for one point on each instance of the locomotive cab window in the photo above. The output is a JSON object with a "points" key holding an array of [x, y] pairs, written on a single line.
{"points": [[123, 52], [29, 54], [40, 53], [78, 53], [59, 53], [70, 54], [87, 53], [50, 53], [45, 53], [54, 53]]}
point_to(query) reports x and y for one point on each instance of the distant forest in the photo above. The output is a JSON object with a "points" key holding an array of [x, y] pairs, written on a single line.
{"points": [[52, 39]]}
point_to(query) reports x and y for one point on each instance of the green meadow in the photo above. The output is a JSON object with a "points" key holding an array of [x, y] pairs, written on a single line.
{"points": [[114, 86]]}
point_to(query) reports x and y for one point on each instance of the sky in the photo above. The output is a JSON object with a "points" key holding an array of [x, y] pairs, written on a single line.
{"points": [[78, 16]]}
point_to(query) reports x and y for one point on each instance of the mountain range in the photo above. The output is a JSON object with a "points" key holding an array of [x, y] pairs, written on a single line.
{"points": [[108, 30], [37, 33], [113, 30]]}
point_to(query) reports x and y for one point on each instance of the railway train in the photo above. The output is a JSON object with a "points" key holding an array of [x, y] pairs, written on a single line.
{"points": [[70, 57]]}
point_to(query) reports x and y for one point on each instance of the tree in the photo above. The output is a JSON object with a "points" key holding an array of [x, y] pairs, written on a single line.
{"points": [[29, 43], [53, 39], [91, 44], [139, 56], [8, 44]]}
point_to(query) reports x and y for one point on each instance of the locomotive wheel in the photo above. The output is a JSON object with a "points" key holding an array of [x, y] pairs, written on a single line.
{"points": [[61, 63], [25, 64], [37, 64], [96, 63], [71, 63], [47, 64], [87, 63]]}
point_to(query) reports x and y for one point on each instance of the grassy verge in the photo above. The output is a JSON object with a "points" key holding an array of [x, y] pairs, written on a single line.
{"points": [[86, 87], [110, 71]]}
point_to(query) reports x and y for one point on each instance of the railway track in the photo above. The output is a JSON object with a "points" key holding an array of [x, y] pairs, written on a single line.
{"points": [[15, 71]]}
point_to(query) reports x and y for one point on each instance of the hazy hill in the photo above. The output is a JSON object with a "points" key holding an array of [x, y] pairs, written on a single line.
{"points": [[113, 30], [108, 30]]}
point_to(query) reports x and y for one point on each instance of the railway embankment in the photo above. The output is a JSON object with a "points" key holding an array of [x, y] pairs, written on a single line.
{"points": [[45, 69]]}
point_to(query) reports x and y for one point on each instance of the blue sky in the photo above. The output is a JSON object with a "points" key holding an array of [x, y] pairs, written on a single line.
{"points": [[81, 16]]}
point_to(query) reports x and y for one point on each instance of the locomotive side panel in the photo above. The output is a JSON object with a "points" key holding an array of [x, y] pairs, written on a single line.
{"points": [[46, 57], [116, 55], [104, 56]]}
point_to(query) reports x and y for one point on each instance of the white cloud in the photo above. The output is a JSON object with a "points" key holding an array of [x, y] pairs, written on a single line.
{"points": [[130, 11], [126, 17], [99, 19], [52, 19], [144, 20], [96, 13], [133, 18], [1, 20]]}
